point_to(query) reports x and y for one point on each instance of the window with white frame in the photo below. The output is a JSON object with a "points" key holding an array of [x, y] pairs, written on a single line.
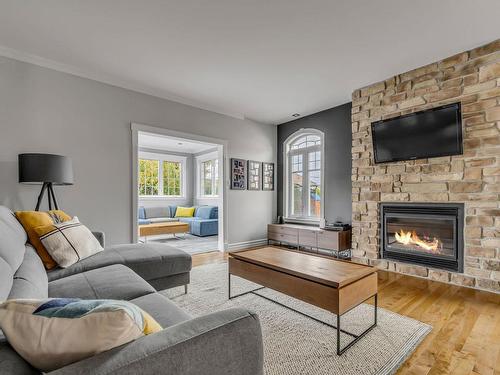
{"points": [[304, 175], [208, 175], [161, 175]]}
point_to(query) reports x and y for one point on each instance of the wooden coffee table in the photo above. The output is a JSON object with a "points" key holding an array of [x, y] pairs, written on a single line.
{"points": [[334, 285], [172, 227]]}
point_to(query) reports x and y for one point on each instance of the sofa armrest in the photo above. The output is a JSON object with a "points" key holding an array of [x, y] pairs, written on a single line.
{"points": [[223, 343], [100, 237]]}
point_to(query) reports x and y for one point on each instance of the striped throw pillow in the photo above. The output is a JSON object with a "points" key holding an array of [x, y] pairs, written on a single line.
{"points": [[53, 333], [68, 242]]}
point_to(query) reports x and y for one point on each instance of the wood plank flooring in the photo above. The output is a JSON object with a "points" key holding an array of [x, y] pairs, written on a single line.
{"points": [[466, 323]]}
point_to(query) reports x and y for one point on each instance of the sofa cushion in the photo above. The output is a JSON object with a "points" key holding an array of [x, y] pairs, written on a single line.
{"points": [[209, 227], [141, 213], [188, 219], [32, 219], [52, 333], [162, 220], [150, 261], [13, 238], [143, 221], [164, 311], [6, 280], [68, 242], [152, 212], [111, 282], [30, 279], [12, 363], [207, 212]]}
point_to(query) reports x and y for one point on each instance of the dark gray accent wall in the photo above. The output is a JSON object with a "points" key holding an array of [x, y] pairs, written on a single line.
{"points": [[335, 123]]}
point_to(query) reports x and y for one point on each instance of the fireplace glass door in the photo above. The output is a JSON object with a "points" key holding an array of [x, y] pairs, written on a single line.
{"points": [[432, 235]]}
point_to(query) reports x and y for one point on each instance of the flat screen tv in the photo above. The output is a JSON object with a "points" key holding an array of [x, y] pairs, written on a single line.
{"points": [[426, 134]]}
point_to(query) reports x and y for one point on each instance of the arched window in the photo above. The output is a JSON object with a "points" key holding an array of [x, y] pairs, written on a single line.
{"points": [[304, 175]]}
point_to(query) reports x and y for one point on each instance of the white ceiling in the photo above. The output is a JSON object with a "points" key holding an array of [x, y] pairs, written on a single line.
{"points": [[259, 59], [166, 143]]}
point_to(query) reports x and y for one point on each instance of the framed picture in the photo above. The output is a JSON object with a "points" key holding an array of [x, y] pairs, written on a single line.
{"points": [[254, 175], [238, 174], [267, 176]]}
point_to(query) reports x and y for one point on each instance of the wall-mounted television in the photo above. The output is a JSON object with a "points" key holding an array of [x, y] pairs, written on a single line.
{"points": [[425, 134]]}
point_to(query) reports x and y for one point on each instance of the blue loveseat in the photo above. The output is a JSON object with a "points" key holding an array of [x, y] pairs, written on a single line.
{"points": [[205, 221]]}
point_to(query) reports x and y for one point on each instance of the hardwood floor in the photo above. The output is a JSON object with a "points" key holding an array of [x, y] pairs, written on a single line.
{"points": [[466, 323]]}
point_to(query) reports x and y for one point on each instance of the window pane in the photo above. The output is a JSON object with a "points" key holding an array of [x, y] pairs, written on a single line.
{"points": [[148, 177], [314, 160], [206, 177], [216, 177], [171, 178], [297, 201], [305, 176], [297, 184], [209, 178], [314, 193]]}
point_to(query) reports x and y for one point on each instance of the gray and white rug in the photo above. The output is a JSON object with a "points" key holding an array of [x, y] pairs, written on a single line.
{"points": [[189, 243], [294, 344]]}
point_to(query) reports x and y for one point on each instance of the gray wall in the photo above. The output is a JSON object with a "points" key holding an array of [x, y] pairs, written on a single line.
{"points": [[336, 124], [42, 110]]}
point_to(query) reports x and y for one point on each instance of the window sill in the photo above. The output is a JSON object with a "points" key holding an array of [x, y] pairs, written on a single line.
{"points": [[208, 197], [160, 197], [301, 221]]}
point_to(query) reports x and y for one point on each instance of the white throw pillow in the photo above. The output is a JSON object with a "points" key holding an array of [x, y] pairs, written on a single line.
{"points": [[68, 242]]}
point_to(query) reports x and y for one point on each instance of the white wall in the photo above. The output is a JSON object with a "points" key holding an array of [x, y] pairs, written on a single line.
{"points": [[42, 110]]}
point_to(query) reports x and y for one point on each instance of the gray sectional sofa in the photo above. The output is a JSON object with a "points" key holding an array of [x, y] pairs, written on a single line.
{"points": [[226, 342]]}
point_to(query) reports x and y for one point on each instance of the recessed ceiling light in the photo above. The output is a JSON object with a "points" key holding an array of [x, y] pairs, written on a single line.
{"points": [[180, 143], [296, 115]]}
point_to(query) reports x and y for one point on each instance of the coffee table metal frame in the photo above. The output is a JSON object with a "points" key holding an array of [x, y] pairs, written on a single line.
{"points": [[340, 350]]}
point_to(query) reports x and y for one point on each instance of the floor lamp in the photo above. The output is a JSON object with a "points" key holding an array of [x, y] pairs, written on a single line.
{"points": [[48, 170]]}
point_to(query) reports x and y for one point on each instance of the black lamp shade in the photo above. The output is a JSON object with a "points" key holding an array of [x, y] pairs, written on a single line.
{"points": [[39, 168]]}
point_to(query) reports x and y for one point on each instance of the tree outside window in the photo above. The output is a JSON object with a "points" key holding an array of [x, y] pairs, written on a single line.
{"points": [[159, 176]]}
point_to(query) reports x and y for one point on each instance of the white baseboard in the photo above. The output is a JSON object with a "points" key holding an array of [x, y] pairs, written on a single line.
{"points": [[245, 245]]}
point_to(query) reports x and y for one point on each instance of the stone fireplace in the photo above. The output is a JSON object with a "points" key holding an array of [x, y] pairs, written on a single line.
{"points": [[425, 234], [471, 180]]}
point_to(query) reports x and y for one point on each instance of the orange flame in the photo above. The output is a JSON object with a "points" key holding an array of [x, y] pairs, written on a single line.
{"points": [[411, 238]]}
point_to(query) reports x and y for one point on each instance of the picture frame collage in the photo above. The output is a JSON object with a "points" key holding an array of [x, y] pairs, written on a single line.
{"points": [[251, 175]]}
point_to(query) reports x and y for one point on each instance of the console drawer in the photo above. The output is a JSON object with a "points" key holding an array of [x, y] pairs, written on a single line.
{"points": [[328, 240], [308, 238], [276, 228], [289, 238]]}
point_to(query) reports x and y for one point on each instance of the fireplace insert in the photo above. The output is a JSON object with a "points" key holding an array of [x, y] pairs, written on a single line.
{"points": [[428, 234]]}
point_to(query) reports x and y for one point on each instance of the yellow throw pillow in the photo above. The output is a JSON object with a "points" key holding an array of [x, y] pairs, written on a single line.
{"points": [[68, 242], [184, 212], [55, 332], [32, 219]]}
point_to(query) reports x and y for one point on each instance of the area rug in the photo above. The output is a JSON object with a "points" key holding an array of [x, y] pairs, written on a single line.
{"points": [[295, 344]]}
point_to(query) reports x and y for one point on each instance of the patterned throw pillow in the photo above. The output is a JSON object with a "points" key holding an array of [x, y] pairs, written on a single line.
{"points": [[53, 333], [32, 219], [68, 242]]}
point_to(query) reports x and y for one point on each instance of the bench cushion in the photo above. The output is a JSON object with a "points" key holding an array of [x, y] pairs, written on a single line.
{"points": [[207, 227], [111, 282], [150, 261]]}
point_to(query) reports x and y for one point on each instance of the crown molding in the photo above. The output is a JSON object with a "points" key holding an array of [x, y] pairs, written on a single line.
{"points": [[111, 80]]}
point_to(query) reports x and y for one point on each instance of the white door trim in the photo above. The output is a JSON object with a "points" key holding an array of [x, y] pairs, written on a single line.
{"points": [[222, 146]]}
